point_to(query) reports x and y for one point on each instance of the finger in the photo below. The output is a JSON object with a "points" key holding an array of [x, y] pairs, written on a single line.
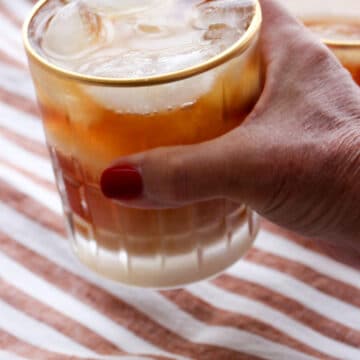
{"points": [[279, 26], [227, 167], [233, 166], [175, 176], [275, 15]]}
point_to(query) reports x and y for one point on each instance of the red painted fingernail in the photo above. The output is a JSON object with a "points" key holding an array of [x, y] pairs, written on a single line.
{"points": [[121, 182]]}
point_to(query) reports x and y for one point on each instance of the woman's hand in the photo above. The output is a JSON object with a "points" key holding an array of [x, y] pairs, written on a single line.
{"points": [[295, 160]]}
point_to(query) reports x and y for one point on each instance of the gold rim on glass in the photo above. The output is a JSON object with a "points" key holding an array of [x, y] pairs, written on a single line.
{"points": [[330, 42], [236, 49], [342, 43]]}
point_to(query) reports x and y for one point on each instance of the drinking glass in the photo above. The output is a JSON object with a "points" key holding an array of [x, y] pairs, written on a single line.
{"points": [[147, 248], [337, 22]]}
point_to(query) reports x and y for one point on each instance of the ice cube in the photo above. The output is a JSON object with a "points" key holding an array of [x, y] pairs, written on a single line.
{"points": [[222, 33], [74, 29], [153, 99], [232, 13], [190, 56], [115, 7]]}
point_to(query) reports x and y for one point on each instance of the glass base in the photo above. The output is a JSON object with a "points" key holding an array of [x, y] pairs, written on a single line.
{"points": [[161, 271]]}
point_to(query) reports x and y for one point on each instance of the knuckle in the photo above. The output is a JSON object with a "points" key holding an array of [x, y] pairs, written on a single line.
{"points": [[289, 172], [318, 56], [344, 152], [283, 169], [309, 51], [303, 191], [317, 51], [157, 169]]}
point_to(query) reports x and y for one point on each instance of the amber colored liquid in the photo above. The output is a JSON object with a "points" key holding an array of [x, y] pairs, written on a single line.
{"points": [[146, 247], [345, 33], [88, 126], [82, 150]]}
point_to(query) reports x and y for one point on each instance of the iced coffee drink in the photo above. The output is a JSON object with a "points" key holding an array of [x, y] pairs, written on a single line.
{"points": [[115, 78]]}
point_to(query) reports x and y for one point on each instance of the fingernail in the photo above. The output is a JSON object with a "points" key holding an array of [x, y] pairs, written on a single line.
{"points": [[121, 183]]}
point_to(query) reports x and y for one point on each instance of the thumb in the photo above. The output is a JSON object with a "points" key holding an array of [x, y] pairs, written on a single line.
{"points": [[233, 166], [227, 167]]}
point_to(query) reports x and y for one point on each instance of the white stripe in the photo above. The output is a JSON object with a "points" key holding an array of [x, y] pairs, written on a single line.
{"points": [[17, 81], [37, 333], [280, 246], [28, 161], [19, 8], [4, 355], [11, 32], [283, 284], [146, 301], [45, 337], [11, 42], [243, 305], [22, 183], [21, 123], [13, 52], [169, 315], [50, 295]]}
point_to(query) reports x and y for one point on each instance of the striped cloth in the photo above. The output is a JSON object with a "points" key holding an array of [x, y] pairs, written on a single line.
{"points": [[285, 300]]}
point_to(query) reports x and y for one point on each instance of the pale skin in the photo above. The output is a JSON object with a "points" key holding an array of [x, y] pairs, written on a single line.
{"points": [[296, 158]]}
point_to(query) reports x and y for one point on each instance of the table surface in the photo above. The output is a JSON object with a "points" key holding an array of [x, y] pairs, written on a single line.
{"points": [[285, 300]]}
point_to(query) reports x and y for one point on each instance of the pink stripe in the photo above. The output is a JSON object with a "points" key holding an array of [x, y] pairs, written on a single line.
{"points": [[215, 316], [290, 307], [19, 102], [12, 344], [56, 320], [28, 145], [113, 307]]}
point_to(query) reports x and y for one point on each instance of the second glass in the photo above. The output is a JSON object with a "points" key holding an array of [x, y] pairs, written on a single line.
{"points": [[337, 23]]}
